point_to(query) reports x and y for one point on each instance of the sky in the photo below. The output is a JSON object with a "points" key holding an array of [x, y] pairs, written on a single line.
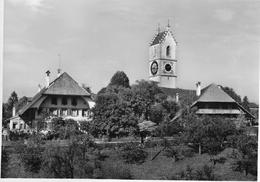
{"points": [[218, 41]]}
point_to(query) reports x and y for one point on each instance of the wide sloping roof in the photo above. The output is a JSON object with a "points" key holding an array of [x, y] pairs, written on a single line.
{"points": [[65, 85], [214, 93]]}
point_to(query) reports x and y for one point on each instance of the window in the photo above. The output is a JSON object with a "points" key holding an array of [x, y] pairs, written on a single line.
{"points": [[64, 101], [54, 100], [168, 51], [74, 101], [64, 112], [74, 112], [54, 111]]}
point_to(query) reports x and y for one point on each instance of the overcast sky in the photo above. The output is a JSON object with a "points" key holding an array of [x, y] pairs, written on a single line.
{"points": [[218, 41]]}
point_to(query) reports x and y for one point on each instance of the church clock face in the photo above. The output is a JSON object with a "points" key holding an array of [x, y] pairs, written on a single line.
{"points": [[154, 67], [168, 67]]}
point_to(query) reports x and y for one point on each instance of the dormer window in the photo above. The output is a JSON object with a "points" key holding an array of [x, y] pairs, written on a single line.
{"points": [[168, 51]]}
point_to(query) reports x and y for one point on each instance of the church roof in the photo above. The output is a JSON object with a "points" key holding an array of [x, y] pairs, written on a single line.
{"points": [[63, 85], [159, 37], [186, 96]]}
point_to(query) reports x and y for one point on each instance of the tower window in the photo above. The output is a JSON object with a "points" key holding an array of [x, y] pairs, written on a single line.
{"points": [[64, 101], [168, 51]]}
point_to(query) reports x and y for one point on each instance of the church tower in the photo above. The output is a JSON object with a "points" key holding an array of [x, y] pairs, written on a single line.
{"points": [[162, 59]]}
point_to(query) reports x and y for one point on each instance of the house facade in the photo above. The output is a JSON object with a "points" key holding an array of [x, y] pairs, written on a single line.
{"points": [[63, 97]]}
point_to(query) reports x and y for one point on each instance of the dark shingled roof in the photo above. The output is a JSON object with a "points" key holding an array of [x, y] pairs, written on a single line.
{"points": [[158, 38], [63, 85], [214, 93]]}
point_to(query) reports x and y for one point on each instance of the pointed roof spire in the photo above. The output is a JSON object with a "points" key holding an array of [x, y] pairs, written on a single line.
{"points": [[159, 29], [168, 25]]}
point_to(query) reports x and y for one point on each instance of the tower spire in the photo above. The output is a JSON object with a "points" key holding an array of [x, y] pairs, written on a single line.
{"points": [[159, 29], [168, 25]]}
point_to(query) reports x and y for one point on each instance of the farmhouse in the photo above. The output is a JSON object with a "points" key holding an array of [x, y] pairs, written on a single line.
{"points": [[63, 97]]}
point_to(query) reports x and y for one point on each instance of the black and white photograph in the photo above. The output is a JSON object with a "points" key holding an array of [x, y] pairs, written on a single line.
{"points": [[130, 89]]}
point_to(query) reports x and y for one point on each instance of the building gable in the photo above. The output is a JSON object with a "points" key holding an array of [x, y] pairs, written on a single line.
{"points": [[65, 85]]}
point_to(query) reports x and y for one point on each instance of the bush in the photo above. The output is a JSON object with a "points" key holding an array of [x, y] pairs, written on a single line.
{"points": [[18, 135], [77, 160], [4, 162], [32, 159], [132, 153], [173, 153], [179, 152], [115, 170], [204, 173]]}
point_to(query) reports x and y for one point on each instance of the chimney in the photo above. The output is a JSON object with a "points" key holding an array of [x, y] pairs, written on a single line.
{"points": [[13, 114], [59, 72], [198, 89], [39, 87], [177, 98], [47, 78]]}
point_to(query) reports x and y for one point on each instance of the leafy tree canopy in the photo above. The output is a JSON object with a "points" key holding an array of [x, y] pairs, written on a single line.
{"points": [[120, 79]]}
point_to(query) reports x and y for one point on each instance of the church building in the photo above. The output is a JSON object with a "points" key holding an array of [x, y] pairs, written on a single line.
{"points": [[163, 64]]}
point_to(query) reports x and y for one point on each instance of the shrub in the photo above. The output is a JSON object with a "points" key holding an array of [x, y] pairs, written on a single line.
{"points": [[77, 160], [115, 170], [204, 173], [173, 153], [18, 135], [132, 153], [32, 159], [4, 162]]}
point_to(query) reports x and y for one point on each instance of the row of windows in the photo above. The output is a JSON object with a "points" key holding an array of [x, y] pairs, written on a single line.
{"points": [[72, 112], [64, 101]]}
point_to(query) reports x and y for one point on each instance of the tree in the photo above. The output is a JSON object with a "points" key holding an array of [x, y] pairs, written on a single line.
{"points": [[209, 132], [113, 116], [120, 79], [232, 94], [245, 103], [143, 97], [21, 102], [8, 107], [247, 145]]}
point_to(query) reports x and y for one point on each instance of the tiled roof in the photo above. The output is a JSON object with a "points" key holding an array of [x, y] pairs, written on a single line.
{"points": [[159, 37], [214, 93], [65, 85]]}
